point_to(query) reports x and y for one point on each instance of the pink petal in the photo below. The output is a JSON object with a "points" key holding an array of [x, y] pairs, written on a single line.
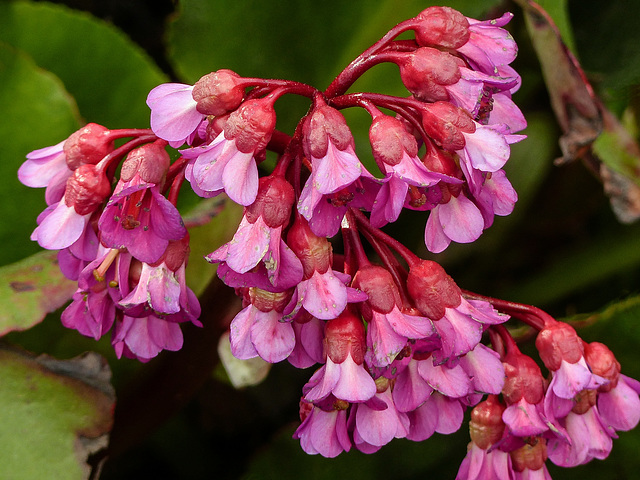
{"points": [[486, 149], [461, 220], [434, 236], [249, 245], [523, 419], [336, 170], [61, 228], [240, 177], [240, 334], [272, 339], [452, 382], [355, 384], [173, 111], [325, 296]]}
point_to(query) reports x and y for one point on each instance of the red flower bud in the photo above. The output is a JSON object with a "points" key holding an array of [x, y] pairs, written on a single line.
{"points": [[326, 124], [150, 162], [432, 290], [530, 456], [486, 426], [218, 92], [524, 379], [426, 71], [344, 335], [274, 202], [315, 253], [559, 342], [87, 188], [88, 145], [602, 362], [444, 123], [251, 125], [441, 26], [390, 140], [378, 284]]}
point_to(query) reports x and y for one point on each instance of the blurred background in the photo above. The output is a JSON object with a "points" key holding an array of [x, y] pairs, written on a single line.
{"points": [[563, 249]]}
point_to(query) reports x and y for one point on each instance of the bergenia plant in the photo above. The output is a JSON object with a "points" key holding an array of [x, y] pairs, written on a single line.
{"points": [[394, 347]]}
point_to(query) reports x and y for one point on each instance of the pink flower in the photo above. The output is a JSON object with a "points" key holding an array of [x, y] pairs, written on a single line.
{"points": [[323, 429], [259, 329], [458, 220], [174, 116], [228, 163], [344, 374], [145, 337]]}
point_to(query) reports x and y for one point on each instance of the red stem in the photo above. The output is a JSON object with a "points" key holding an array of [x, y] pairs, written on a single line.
{"points": [[532, 316]]}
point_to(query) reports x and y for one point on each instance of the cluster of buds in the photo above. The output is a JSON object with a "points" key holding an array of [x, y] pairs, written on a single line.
{"points": [[399, 344]]}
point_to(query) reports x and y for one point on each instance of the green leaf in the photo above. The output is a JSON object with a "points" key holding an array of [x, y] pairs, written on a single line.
{"points": [[30, 289], [108, 75], [36, 112], [53, 413]]}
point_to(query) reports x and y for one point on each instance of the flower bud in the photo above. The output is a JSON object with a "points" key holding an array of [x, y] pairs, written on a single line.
{"points": [[559, 342], [378, 284], [427, 71], [390, 140], [268, 301], [445, 123], [530, 456], [315, 253], [87, 188], [251, 125], [176, 254], [602, 362], [432, 290], [326, 124], [486, 426], [344, 335], [441, 26], [274, 202], [524, 379], [150, 162], [88, 145], [218, 92]]}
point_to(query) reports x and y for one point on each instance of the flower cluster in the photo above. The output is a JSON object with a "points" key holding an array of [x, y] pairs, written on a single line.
{"points": [[398, 343]]}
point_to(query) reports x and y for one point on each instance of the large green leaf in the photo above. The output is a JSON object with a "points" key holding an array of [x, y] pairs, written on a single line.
{"points": [[53, 413], [30, 289], [108, 75], [36, 112]]}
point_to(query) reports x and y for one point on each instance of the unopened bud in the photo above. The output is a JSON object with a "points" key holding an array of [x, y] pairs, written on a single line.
{"points": [[218, 92], [445, 123], [344, 335], [251, 125], [390, 140], [274, 202], [432, 290], [150, 162], [427, 71], [379, 286], [86, 189], [524, 379], [441, 26], [559, 342], [486, 426], [88, 145], [531, 457], [602, 362], [315, 253], [326, 124]]}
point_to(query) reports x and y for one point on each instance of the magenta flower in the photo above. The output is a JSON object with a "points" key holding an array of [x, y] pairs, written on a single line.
{"points": [[458, 220], [162, 289], [259, 329], [437, 414], [93, 309], [138, 217], [174, 116], [410, 390], [378, 422], [344, 374], [259, 236], [309, 337], [228, 162], [64, 223], [46, 167], [145, 337], [323, 429]]}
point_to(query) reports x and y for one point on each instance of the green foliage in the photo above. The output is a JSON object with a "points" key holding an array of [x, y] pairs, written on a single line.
{"points": [[54, 415]]}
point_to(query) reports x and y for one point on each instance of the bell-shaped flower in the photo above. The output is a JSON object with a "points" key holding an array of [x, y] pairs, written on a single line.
{"points": [[344, 374], [324, 427], [174, 116], [138, 217], [144, 338], [228, 162]]}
